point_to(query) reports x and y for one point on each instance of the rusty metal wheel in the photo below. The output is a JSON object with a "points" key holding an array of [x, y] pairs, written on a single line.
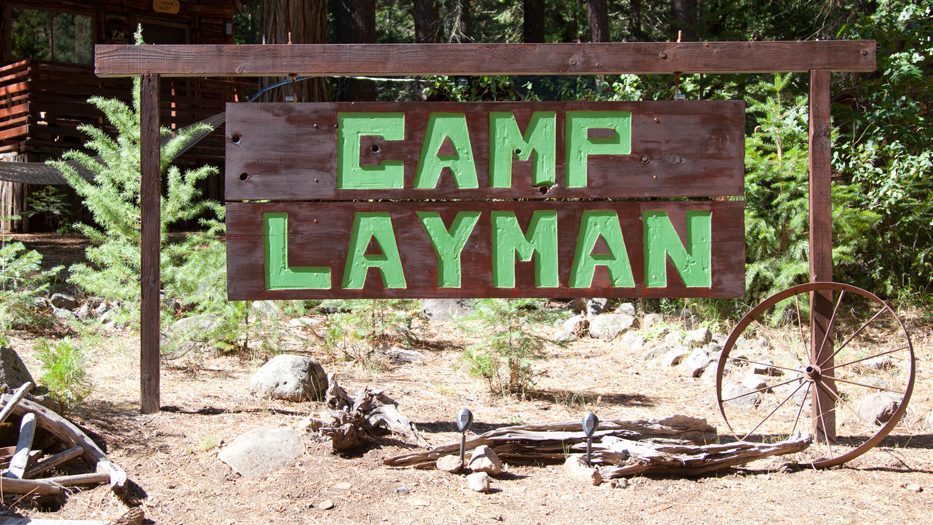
{"points": [[769, 387]]}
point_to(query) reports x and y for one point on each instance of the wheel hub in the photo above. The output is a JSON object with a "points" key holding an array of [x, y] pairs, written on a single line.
{"points": [[812, 372]]}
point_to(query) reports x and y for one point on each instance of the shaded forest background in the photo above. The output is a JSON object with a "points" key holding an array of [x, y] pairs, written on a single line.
{"points": [[883, 203]]}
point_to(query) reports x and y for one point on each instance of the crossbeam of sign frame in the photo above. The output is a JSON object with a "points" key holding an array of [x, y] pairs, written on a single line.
{"points": [[485, 178]]}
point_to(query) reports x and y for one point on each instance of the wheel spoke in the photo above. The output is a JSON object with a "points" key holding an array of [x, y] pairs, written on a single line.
{"points": [[843, 345], [829, 327], [803, 339], [800, 411], [786, 399], [746, 360], [819, 409], [905, 347], [868, 386], [762, 389]]}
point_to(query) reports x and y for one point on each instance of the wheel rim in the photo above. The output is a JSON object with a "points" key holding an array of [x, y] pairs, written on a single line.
{"points": [[871, 366]]}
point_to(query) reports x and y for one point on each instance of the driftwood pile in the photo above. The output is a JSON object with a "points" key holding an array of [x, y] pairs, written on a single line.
{"points": [[680, 445], [25, 465], [355, 422]]}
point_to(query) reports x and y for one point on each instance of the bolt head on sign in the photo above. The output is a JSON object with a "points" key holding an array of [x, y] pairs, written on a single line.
{"points": [[590, 424], [464, 419]]}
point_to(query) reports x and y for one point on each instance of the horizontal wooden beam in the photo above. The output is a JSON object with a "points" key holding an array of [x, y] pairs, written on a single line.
{"points": [[484, 59]]}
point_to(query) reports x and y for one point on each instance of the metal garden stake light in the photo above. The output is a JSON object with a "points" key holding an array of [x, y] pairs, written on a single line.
{"points": [[590, 424], [464, 420]]}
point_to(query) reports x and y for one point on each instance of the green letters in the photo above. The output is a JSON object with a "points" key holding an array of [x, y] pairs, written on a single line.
{"points": [[509, 240], [367, 227], [278, 275], [448, 244], [505, 139], [389, 174], [593, 225], [431, 164], [662, 241], [580, 146]]}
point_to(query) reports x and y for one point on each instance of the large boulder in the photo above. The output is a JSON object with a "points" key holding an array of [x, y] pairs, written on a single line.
{"points": [[878, 408], [608, 326], [13, 372], [263, 450], [63, 300], [447, 309], [697, 338], [292, 378]]}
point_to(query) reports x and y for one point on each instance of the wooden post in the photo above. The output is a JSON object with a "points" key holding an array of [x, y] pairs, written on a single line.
{"points": [[150, 192], [821, 249]]}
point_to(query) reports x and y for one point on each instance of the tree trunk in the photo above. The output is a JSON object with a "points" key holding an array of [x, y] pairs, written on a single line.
{"points": [[306, 20], [684, 19], [426, 21], [598, 16], [533, 21], [355, 22]]}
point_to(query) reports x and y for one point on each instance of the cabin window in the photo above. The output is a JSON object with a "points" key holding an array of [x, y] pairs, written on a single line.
{"points": [[54, 36]]}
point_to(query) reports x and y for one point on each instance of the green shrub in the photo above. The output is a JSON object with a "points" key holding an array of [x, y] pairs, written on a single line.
{"points": [[23, 283], [358, 329], [64, 371]]}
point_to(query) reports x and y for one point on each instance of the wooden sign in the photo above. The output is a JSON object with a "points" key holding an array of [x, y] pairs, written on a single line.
{"points": [[504, 200], [170, 7]]}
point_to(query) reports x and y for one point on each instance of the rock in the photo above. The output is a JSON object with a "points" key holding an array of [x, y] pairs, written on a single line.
{"points": [[61, 300], [303, 322], [63, 315], [13, 372], [913, 487], [878, 408], [656, 353], [447, 309], [650, 320], [620, 483], [695, 363], [326, 504], [882, 362], [714, 349], [698, 337], [484, 459], [478, 482], [195, 328], [266, 309], [755, 382], [571, 329], [633, 341], [100, 309], [674, 356], [576, 468], [626, 308], [673, 338], [263, 450], [290, 377], [47, 401], [402, 490], [596, 306], [608, 326], [740, 396], [401, 356], [709, 374], [450, 464], [83, 312]]}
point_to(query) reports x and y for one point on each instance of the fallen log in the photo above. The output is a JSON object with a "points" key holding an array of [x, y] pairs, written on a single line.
{"points": [[34, 487], [546, 443]]}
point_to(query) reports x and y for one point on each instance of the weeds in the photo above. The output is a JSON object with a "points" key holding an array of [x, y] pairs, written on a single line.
{"points": [[64, 371]]}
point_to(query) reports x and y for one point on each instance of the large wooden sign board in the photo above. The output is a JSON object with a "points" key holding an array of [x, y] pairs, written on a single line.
{"points": [[372, 200]]}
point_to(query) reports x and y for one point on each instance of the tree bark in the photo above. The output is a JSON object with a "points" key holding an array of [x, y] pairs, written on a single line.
{"points": [[598, 16], [684, 19], [355, 23], [533, 21], [426, 21], [306, 20]]}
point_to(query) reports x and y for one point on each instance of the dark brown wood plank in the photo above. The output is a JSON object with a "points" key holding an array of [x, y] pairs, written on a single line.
{"points": [[150, 191], [485, 59], [821, 247], [319, 236], [679, 148]]}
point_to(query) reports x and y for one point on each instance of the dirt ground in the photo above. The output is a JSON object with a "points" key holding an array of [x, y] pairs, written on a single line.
{"points": [[172, 455]]}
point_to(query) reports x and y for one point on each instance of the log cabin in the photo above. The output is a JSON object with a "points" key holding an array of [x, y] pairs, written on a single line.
{"points": [[47, 75]]}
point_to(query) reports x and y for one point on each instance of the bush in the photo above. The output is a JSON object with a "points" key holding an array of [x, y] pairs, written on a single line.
{"points": [[359, 329], [22, 285], [64, 371]]}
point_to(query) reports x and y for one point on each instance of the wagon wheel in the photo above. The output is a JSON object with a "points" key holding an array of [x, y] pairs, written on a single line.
{"points": [[767, 382]]}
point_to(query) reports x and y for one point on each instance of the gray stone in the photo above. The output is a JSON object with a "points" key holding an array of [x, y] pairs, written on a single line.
{"points": [[740, 396], [447, 309], [882, 362], [83, 312], [650, 320], [479, 482], [608, 326], [327, 504], [63, 315], [674, 338], [709, 375], [195, 328], [756, 382], [697, 338], [263, 450], [570, 329], [290, 377], [596, 306], [656, 353], [633, 341], [484, 459], [450, 464], [302, 322], [695, 363], [62, 300], [402, 356], [626, 308], [266, 309], [100, 309], [13, 372], [674, 356], [878, 408]]}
